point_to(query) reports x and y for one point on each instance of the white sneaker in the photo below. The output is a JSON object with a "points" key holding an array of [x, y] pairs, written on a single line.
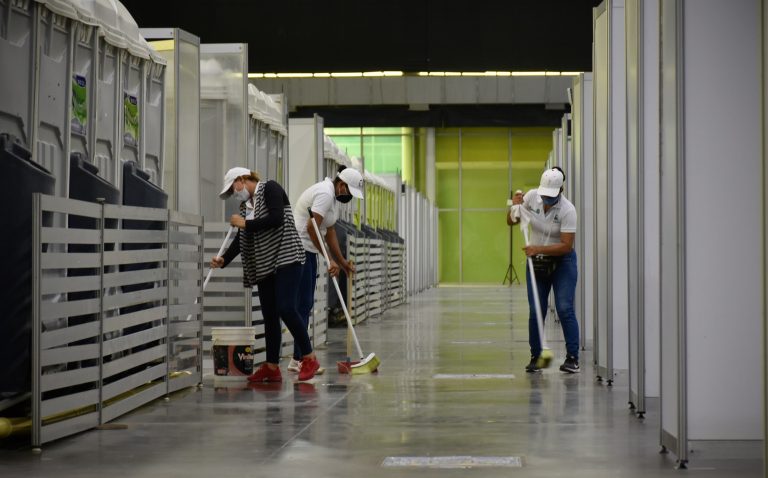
{"points": [[294, 365]]}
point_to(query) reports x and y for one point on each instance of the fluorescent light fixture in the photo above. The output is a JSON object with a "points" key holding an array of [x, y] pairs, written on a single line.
{"points": [[503, 73], [472, 73], [255, 75], [294, 75], [347, 74], [423, 73], [393, 73], [373, 73], [452, 73], [553, 73], [528, 73], [270, 75], [570, 73], [436, 73], [322, 75]]}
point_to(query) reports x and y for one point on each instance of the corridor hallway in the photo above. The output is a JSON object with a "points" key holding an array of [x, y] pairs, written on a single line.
{"points": [[428, 400]]}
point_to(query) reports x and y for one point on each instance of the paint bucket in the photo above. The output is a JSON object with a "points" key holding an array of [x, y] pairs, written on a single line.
{"points": [[232, 352]]}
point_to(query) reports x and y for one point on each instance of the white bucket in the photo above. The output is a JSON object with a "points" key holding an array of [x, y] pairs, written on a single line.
{"points": [[233, 352]]}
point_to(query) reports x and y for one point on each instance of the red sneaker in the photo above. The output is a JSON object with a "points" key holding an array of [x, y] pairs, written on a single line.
{"points": [[308, 369], [266, 374]]}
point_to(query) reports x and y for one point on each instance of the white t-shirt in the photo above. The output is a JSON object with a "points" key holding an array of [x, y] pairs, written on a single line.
{"points": [[546, 228], [322, 199]]}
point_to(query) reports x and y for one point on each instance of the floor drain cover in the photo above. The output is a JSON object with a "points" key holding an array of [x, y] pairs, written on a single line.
{"points": [[472, 376], [453, 462]]}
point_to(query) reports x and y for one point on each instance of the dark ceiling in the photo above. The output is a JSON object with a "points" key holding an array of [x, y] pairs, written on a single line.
{"points": [[404, 35]]}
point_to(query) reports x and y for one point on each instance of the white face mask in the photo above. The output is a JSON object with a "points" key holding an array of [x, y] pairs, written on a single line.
{"points": [[242, 195]]}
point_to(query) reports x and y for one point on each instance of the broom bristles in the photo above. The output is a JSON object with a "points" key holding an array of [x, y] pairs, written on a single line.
{"points": [[367, 365]]}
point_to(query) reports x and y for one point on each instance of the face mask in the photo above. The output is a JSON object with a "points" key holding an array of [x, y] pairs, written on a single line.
{"points": [[550, 201], [344, 198], [242, 195]]}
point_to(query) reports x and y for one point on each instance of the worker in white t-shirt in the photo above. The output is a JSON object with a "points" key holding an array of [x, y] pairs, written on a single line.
{"points": [[324, 199], [552, 219]]}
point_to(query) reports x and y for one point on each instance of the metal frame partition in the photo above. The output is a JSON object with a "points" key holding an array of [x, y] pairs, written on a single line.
{"points": [[116, 327], [610, 190], [702, 44], [642, 22]]}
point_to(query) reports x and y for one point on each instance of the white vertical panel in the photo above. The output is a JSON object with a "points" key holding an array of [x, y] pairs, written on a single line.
{"points": [[634, 173], [670, 343], [617, 298], [601, 187], [584, 169], [303, 155], [650, 194], [723, 281]]}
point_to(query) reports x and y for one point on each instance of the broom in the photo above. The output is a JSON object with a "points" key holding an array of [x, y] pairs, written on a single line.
{"points": [[546, 356], [367, 364]]}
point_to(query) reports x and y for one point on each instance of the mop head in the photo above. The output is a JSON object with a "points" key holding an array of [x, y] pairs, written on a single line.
{"points": [[368, 365], [545, 359]]}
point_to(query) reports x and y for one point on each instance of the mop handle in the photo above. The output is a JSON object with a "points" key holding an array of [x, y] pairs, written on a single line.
{"points": [[335, 282], [210, 271], [537, 305], [221, 251]]}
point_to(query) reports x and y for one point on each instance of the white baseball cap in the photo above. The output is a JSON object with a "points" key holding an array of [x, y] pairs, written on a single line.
{"points": [[230, 177], [551, 182], [354, 181]]}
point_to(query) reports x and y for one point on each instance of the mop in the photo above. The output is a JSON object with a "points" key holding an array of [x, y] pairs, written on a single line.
{"points": [[546, 356], [367, 364]]}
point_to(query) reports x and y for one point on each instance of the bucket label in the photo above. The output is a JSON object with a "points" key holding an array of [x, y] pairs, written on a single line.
{"points": [[79, 118], [232, 360], [131, 119]]}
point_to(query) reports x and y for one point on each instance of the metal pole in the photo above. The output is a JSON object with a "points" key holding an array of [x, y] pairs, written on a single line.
{"points": [[102, 226], [169, 287], [37, 248]]}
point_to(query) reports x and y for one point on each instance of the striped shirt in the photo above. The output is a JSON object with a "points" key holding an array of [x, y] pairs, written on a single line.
{"points": [[270, 239]]}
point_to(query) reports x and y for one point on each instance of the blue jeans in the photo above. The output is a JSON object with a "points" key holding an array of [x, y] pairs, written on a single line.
{"points": [[306, 294], [279, 296], [563, 280]]}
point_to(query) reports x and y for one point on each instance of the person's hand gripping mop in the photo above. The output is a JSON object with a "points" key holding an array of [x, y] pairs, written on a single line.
{"points": [[544, 360]]}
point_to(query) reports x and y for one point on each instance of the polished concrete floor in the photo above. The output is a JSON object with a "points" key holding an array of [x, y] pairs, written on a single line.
{"points": [[451, 384]]}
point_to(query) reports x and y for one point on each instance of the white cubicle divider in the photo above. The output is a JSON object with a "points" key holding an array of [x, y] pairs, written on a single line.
{"points": [[610, 189], [305, 155], [643, 206], [224, 122], [583, 180], [712, 278], [181, 164]]}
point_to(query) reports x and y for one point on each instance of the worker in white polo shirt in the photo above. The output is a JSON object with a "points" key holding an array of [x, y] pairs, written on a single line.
{"points": [[552, 219]]}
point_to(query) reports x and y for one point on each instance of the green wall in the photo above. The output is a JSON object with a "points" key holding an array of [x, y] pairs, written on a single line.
{"points": [[493, 162]]}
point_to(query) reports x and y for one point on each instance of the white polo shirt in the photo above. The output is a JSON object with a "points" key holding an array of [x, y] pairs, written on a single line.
{"points": [[321, 198], [546, 228]]}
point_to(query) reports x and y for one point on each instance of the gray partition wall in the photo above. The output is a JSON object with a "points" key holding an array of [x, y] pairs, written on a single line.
{"points": [[712, 280], [643, 200], [611, 325], [181, 167], [583, 171]]}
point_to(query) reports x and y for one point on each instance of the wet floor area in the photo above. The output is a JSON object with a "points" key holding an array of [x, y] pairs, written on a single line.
{"points": [[451, 398]]}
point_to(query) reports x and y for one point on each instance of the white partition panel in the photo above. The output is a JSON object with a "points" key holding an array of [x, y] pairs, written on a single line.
{"points": [[643, 188], [600, 129], [583, 177], [712, 286], [182, 160], [305, 154], [611, 189]]}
